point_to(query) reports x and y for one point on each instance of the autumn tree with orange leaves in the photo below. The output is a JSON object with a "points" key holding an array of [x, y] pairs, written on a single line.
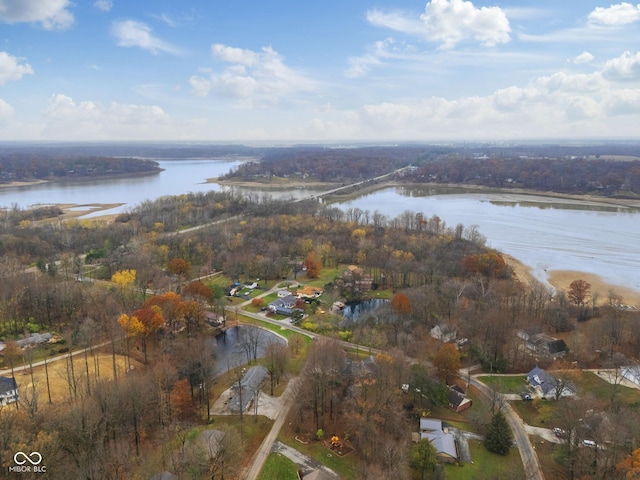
{"points": [[313, 265], [151, 320], [447, 362], [629, 467]]}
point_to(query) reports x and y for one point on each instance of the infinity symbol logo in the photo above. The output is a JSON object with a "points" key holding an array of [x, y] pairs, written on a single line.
{"points": [[27, 458]]}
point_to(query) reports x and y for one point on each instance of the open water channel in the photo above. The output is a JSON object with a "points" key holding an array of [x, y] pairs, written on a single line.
{"points": [[543, 233]]}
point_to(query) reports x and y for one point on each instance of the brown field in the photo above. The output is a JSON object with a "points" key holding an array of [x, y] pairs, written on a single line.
{"points": [[59, 376]]}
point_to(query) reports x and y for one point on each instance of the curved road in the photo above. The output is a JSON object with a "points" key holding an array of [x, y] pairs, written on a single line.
{"points": [[527, 452]]}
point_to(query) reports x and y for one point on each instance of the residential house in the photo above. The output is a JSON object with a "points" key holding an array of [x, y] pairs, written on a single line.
{"points": [[540, 343], [309, 292], [631, 373], [443, 332], [247, 388], [458, 401], [34, 339], [443, 441], [547, 386], [213, 319], [8, 391], [283, 306]]}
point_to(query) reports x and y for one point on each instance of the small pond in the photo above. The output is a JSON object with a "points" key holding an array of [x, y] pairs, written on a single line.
{"points": [[240, 343], [354, 311]]}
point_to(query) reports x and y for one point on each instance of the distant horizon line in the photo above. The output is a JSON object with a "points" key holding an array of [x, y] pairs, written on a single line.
{"points": [[575, 141]]}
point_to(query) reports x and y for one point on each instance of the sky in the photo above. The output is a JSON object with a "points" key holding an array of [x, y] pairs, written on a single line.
{"points": [[319, 72]]}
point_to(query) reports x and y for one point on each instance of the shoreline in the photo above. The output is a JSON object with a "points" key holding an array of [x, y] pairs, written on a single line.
{"points": [[561, 280]]}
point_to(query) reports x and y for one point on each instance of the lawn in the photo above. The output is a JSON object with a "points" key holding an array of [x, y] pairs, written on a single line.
{"points": [[539, 413], [346, 466], [278, 467], [505, 383], [486, 465]]}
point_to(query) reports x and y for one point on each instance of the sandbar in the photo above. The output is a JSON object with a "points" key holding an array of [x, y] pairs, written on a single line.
{"points": [[561, 280]]}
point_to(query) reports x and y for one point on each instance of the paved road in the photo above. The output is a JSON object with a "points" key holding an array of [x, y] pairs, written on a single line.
{"points": [[288, 398], [527, 452]]}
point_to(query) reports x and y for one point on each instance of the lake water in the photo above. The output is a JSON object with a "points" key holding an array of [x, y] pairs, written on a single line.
{"points": [[180, 176], [231, 347], [543, 233]]}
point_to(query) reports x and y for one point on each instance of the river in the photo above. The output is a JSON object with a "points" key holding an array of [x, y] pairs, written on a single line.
{"points": [[179, 176], [542, 233]]}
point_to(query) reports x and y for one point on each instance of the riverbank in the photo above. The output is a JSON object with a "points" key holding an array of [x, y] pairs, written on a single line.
{"points": [[561, 280], [276, 183]]}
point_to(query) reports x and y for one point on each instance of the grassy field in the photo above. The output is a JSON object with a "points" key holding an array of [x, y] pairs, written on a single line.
{"points": [[505, 383], [278, 467], [100, 367], [539, 413], [345, 466], [487, 465]]}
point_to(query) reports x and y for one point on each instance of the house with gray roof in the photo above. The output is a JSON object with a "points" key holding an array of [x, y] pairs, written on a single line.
{"points": [[439, 436], [631, 373], [247, 388], [8, 391], [547, 386]]}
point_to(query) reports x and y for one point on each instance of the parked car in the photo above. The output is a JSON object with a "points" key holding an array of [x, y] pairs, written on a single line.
{"points": [[558, 432], [589, 443], [526, 396]]}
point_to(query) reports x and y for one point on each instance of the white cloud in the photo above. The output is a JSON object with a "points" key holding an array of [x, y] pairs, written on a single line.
{"points": [[50, 14], [255, 78], [130, 33], [200, 86], [615, 15], [104, 5], [377, 52], [449, 22], [624, 68], [584, 57], [89, 120], [623, 102], [571, 82], [398, 21], [562, 104], [6, 110], [452, 21], [11, 69]]}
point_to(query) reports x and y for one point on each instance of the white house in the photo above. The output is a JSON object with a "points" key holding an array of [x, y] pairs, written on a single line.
{"points": [[443, 332], [8, 391]]}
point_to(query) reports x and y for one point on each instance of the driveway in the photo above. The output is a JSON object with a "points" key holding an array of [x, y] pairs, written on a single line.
{"points": [[305, 464]]}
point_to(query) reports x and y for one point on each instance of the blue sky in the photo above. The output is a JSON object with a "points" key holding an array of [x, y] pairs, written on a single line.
{"points": [[330, 71]]}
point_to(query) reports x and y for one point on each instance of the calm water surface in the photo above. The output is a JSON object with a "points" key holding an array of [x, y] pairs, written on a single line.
{"points": [[545, 234], [179, 176]]}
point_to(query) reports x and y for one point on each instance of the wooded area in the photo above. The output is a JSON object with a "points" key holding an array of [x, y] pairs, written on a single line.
{"points": [[115, 425]]}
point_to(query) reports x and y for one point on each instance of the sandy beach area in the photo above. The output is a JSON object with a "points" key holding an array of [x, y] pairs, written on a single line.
{"points": [[561, 280]]}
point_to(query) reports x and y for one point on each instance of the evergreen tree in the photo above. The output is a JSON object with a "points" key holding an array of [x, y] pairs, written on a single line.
{"points": [[423, 459], [499, 437]]}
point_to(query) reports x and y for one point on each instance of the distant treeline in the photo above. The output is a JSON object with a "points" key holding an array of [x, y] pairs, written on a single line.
{"points": [[334, 164], [28, 167], [572, 175]]}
